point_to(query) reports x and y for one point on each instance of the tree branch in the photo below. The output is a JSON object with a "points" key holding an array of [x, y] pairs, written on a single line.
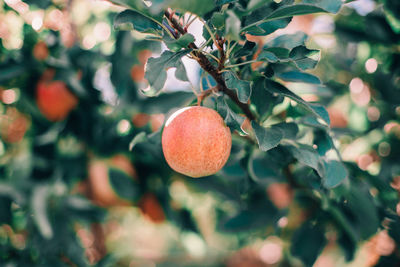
{"points": [[213, 71]]}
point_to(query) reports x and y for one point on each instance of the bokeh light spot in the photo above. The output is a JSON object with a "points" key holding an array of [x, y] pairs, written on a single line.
{"points": [[9, 96], [373, 113], [123, 127], [384, 149], [371, 65], [356, 85], [271, 251]]}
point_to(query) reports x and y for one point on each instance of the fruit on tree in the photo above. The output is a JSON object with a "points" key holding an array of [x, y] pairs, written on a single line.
{"points": [[100, 188], [13, 125], [280, 194], [196, 142], [141, 119], [137, 73], [54, 99], [151, 208], [40, 51]]}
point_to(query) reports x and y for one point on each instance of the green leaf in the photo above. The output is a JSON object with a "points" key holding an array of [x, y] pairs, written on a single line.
{"points": [[288, 41], [289, 129], [199, 7], [267, 138], [304, 58], [123, 184], [335, 173], [268, 27], [361, 205], [232, 26], [260, 168], [156, 70], [297, 76], [177, 44], [9, 71], [246, 220], [243, 88], [139, 138], [218, 20], [307, 7], [11, 192], [262, 99], [223, 2], [274, 54], [308, 242], [137, 21], [39, 207], [307, 155], [332, 6], [278, 88], [232, 120]]}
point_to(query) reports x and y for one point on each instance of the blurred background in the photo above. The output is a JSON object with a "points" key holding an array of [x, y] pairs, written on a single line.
{"points": [[73, 194]]}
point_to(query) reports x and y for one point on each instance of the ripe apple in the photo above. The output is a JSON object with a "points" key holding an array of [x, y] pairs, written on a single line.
{"points": [[137, 73], [141, 119], [151, 208], [196, 142], [13, 126], [54, 99], [40, 51], [100, 188]]}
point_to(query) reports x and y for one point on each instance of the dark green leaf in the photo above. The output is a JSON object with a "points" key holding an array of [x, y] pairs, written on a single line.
{"points": [[232, 26], [260, 168], [218, 20], [317, 110], [156, 70], [39, 207], [223, 2], [305, 58], [274, 54], [139, 138], [137, 21], [288, 41], [308, 242], [335, 173], [123, 184], [243, 88], [10, 71], [307, 7], [199, 7], [267, 138], [178, 44], [232, 120], [268, 27], [296, 76], [308, 156], [289, 129]]}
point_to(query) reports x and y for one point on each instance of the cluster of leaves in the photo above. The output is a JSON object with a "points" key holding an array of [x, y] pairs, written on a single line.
{"points": [[289, 141]]}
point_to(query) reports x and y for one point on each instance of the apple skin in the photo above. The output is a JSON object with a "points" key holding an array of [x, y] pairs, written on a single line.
{"points": [[54, 99], [196, 142]]}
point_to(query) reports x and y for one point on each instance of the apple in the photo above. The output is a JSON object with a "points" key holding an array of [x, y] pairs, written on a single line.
{"points": [[40, 51], [54, 99], [100, 188], [196, 142], [151, 208], [13, 126]]}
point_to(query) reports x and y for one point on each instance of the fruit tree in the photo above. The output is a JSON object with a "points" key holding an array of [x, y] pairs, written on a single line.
{"points": [[199, 133]]}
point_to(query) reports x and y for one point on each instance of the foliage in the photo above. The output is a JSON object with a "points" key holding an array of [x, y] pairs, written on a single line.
{"points": [[283, 146]]}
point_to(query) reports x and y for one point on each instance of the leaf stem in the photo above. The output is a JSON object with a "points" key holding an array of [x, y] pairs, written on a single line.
{"points": [[242, 63]]}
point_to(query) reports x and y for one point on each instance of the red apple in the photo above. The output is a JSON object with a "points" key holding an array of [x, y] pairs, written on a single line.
{"points": [[196, 142]]}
